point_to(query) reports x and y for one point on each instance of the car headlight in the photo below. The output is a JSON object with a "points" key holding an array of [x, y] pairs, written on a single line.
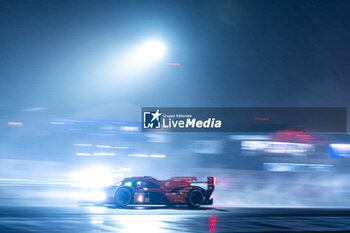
{"points": [[95, 177]]}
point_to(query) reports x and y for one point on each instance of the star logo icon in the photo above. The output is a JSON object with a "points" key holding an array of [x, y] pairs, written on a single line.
{"points": [[156, 115]]}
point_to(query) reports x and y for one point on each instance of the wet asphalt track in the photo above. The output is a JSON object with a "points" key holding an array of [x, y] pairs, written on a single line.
{"points": [[161, 219]]}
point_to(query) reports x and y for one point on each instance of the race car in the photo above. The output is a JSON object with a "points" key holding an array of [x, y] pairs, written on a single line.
{"points": [[148, 190]]}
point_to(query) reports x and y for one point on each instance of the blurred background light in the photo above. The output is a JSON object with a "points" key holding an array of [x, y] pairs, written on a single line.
{"points": [[158, 156], [138, 155], [83, 154], [135, 61], [103, 154], [82, 144], [151, 51], [15, 123], [339, 150]]}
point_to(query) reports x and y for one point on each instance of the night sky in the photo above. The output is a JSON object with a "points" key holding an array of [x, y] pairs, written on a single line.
{"points": [[63, 56]]}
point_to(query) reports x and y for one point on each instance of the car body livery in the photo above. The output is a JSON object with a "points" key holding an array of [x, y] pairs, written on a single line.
{"points": [[148, 190]]}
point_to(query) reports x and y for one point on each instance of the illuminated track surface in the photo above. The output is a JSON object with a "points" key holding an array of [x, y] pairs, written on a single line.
{"points": [[161, 219]]}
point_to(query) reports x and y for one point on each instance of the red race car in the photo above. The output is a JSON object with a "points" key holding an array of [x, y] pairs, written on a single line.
{"points": [[148, 190]]}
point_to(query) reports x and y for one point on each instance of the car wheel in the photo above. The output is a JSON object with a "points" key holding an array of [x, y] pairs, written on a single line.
{"points": [[123, 197], [195, 198]]}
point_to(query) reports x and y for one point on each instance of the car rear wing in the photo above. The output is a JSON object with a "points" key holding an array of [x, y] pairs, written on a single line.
{"points": [[211, 180]]}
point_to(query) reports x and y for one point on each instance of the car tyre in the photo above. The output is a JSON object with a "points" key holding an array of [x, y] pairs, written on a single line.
{"points": [[195, 198], [122, 197]]}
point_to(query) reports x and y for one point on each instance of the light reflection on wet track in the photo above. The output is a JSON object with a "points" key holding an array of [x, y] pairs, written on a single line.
{"points": [[161, 219]]}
